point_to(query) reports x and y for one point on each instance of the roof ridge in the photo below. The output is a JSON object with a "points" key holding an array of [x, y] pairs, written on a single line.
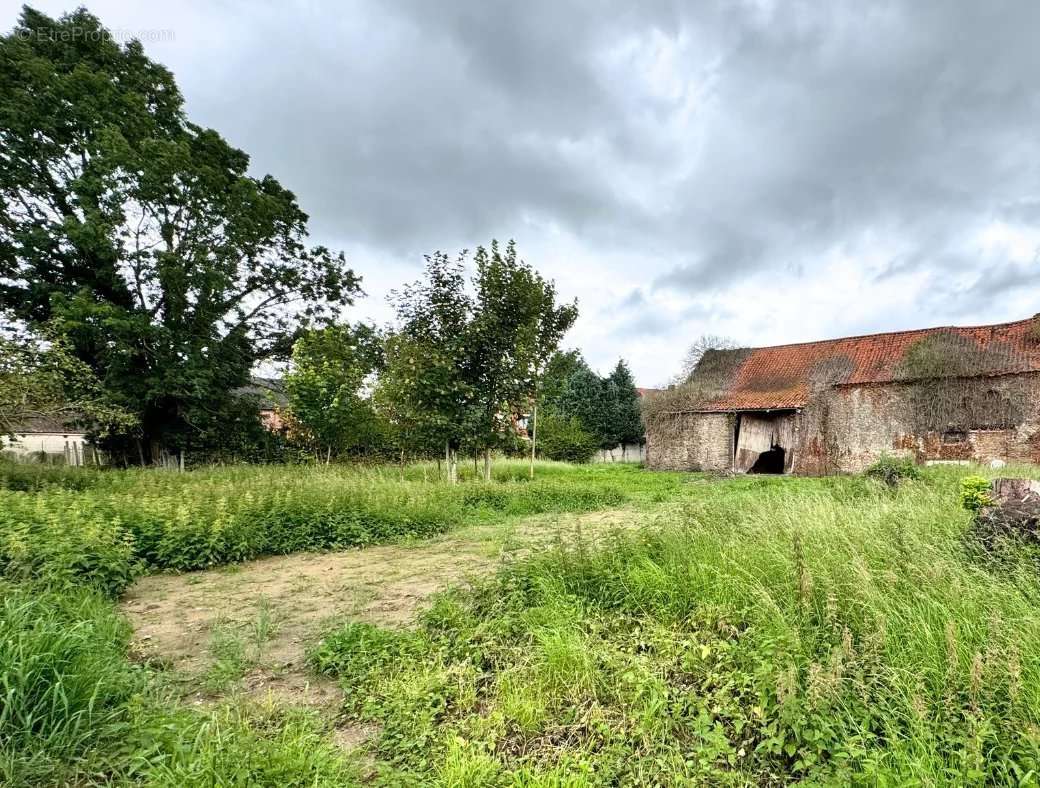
{"points": [[892, 333]]}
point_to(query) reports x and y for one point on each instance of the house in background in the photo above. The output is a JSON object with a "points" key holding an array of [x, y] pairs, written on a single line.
{"points": [[272, 399], [934, 395], [52, 440]]}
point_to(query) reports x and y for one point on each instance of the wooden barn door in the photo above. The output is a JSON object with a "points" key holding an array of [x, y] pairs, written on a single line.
{"points": [[763, 440]]}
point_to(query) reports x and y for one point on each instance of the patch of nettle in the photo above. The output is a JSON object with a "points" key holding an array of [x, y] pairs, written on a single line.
{"points": [[830, 631], [126, 522]]}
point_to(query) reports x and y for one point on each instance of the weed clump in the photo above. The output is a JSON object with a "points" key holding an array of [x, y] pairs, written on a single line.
{"points": [[893, 470], [975, 493]]}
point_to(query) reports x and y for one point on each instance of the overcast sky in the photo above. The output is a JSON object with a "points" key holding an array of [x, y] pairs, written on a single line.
{"points": [[772, 172]]}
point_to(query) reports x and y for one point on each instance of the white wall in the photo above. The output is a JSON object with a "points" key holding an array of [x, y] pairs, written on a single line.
{"points": [[71, 448], [630, 452]]}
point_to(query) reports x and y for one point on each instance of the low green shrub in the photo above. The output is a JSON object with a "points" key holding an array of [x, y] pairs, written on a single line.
{"points": [[65, 539], [357, 649], [564, 440], [975, 493], [893, 470], [128, 521]]}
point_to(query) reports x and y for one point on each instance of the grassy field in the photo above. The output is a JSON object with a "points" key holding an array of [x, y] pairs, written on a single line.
{"points": [[746, 631]]}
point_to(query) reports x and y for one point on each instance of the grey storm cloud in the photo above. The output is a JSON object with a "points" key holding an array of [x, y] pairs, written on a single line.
{"points": [[667, 152]]}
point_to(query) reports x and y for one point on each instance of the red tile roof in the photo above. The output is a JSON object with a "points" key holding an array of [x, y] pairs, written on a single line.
{"points": [[783, 376]]}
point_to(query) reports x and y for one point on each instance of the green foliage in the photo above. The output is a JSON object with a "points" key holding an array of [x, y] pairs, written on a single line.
{"points": [[626, 408], [40, 380], [810, 631], [358, 650], [563, 439], [66, 682], [422, 395], [142, 237], [558, 370], [65, 539], [465, 359], [325, 388], [32, 477], [893, 470], [607, 409], [515, 328], [586, 398], [975, 493], [535, 497]]}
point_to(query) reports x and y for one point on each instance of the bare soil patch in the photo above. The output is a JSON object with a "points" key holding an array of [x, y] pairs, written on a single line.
{"points": [[246, 628]]}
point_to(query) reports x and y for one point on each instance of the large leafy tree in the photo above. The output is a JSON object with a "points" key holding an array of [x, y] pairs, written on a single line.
{"points": [[586, 397], [326, 388], [169, 268], [561, 365], [607, 408]]}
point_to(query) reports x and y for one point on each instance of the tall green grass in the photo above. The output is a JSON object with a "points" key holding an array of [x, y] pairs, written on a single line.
{"points": [[75, 711], [832, 631]]}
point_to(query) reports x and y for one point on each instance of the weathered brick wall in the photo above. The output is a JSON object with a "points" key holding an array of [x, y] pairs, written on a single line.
{"points": [[848, 429], [691, 442]]}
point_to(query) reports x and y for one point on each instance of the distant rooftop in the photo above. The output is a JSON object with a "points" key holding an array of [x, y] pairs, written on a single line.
{"points": [[268, 390]]}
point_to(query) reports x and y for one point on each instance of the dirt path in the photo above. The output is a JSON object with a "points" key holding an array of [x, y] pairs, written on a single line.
{"points": [[246, 629]]}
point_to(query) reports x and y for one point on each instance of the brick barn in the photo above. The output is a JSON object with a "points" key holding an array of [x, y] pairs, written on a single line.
{"points": [[946, 394]]}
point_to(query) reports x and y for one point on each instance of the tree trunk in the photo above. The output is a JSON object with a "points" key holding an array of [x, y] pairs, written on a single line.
{"points": [[487, 465], [451, 463], [328, 455], [534, 434]]}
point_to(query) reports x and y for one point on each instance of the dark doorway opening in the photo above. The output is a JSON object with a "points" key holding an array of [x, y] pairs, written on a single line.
{"points": [[771, 461]]}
